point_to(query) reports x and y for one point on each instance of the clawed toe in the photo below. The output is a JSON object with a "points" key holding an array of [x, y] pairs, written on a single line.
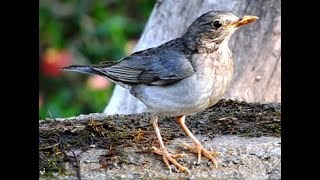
{"points": [[168, 157], [198, 149]]}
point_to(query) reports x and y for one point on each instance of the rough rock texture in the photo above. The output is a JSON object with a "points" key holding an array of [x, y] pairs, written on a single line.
{"points": [[96, 146]]}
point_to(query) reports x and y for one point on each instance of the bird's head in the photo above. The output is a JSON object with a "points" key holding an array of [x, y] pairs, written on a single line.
{"points": [[217, 25]]}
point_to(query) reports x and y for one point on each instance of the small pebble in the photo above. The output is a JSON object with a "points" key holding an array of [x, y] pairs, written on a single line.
{"points": [[258, 78], [195, 163]]}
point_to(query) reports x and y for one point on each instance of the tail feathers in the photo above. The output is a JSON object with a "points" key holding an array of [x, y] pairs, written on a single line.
{"points": [[91, 70], [82, 69]]}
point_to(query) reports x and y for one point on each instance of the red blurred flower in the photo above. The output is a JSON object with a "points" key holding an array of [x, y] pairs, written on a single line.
{"points": [[53, 60], [97, 82]]}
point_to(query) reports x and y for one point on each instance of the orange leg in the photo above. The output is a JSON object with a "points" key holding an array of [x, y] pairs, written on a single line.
{"points": [[198, 148], [167, 157]]}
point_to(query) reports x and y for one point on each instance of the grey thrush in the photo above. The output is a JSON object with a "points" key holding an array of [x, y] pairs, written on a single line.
{"points": [[180, 77]]}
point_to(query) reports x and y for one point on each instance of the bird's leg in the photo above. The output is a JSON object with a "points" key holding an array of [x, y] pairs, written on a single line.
{"points": [[198, 148], [167, 157]]}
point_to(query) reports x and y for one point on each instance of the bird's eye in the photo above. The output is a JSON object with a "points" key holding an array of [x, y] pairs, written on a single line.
{"points": [[216, 24]]}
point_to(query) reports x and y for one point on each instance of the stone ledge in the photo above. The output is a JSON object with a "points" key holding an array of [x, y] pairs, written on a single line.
{"points": [[118, 147]]}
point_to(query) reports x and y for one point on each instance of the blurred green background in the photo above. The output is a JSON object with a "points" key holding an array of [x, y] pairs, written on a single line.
{"points": [[83, 32]]}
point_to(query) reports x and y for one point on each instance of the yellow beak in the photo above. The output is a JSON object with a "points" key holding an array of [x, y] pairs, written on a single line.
{"points": [[243, 21]]}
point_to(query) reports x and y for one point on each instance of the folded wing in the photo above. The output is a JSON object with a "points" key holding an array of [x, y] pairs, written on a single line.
{"points": [[167, 67]]}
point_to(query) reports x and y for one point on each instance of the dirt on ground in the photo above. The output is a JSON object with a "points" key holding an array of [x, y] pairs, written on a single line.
{"points": [[58, 138]]}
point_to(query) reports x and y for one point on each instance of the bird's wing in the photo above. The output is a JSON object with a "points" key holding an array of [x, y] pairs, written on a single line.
{"points": [[166, 67]]}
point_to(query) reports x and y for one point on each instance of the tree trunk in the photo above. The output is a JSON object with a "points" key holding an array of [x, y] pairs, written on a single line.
{"points": [[256, 47]]}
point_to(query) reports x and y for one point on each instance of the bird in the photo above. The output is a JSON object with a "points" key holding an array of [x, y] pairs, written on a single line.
{"points": [[180, 77]]}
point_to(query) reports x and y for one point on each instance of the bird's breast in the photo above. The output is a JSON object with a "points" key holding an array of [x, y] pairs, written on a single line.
{"points": [[214, 74]]}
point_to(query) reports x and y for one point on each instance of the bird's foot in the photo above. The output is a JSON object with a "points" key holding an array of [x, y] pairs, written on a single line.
{"points": [[198, 148], [168, 157]]}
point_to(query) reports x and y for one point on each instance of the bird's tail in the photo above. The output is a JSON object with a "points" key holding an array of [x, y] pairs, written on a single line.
{"points": [[81, 68]]}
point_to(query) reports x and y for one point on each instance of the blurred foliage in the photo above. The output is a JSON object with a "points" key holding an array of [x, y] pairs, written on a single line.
{"points": [[83, 32]]}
